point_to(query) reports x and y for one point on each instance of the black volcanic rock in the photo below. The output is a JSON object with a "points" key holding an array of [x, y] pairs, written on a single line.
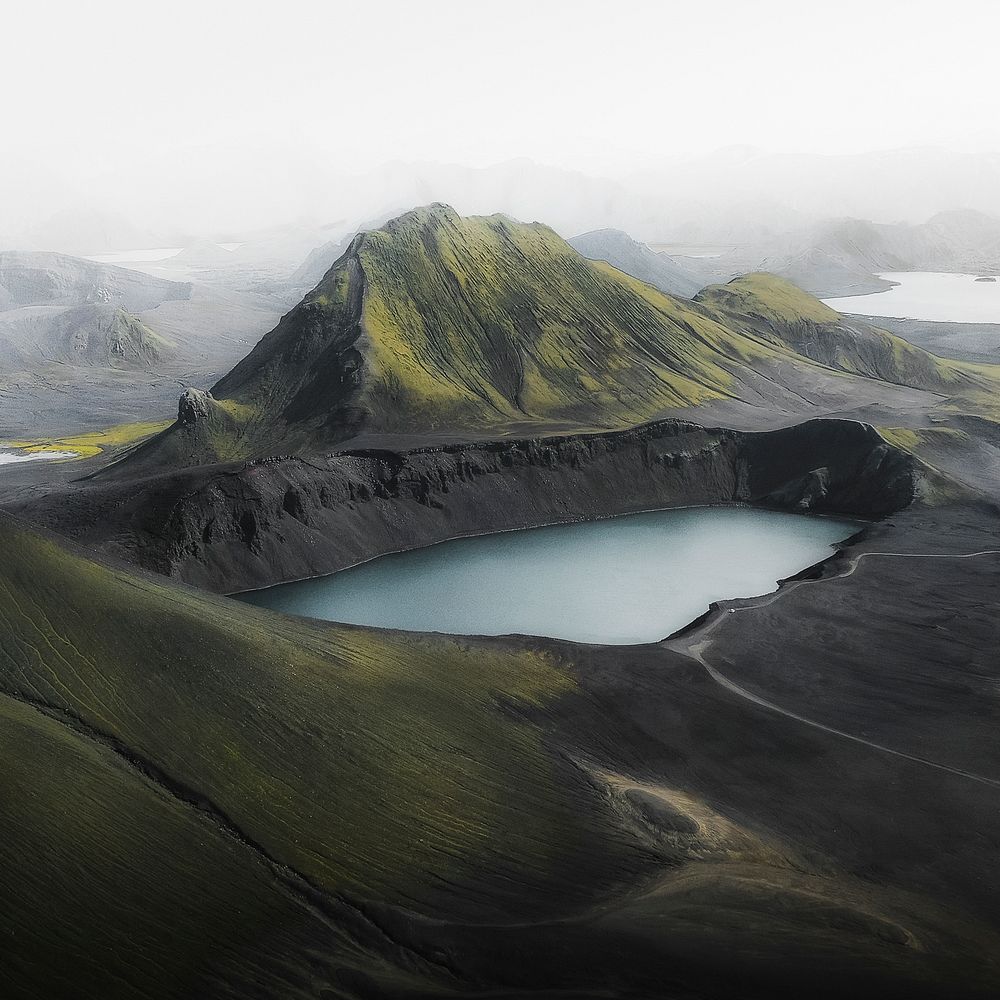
{"points": [[193, 404], [242, 526]]}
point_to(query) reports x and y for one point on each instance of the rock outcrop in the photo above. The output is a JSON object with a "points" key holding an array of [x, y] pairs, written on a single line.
{"points": [[193, 404]]}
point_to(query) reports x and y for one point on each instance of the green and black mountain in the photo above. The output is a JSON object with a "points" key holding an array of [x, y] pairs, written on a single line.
{"points": [[438, 325]]}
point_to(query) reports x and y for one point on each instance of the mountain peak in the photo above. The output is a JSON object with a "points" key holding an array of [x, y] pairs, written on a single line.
{"points": [[443, 326]]}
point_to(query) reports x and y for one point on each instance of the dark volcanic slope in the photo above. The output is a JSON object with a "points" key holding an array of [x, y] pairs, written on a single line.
{"points": [[201, 799], [246, 525]]}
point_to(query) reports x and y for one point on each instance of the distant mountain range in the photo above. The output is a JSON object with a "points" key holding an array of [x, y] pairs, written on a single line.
{"points": [[842, 256], [56, 279], [86, 344], [97, 335], [830, 258], [72, 311], [737, 194], [628, 255]]}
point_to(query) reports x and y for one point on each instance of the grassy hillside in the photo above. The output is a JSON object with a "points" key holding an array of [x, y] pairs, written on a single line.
{"points": [[200, 798], [107, 441], [425, 747], [783, 314], [197, 763]]}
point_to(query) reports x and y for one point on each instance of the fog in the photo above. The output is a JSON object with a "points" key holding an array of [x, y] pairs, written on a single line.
{"points": [[145, 125]]}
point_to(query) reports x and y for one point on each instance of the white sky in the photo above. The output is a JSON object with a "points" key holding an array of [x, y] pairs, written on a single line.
{"points": [[136, 97]]}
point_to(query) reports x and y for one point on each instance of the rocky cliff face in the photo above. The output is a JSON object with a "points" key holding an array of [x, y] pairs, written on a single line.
{"points": [[238, 527]]}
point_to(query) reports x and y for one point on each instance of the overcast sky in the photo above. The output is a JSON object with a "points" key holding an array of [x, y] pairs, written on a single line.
{"points": [[127, 99]]}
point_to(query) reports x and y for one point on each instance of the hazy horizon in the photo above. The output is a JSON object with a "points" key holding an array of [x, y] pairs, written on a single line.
{"points": [[130, 126]]}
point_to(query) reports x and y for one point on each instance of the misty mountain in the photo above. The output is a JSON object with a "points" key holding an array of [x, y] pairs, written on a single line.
{"points": [[86, 231], [95, 334], [84, 344], [28, 279], [632, 257], [842, 256], [733, 195], [202, 253], [55, 308]]}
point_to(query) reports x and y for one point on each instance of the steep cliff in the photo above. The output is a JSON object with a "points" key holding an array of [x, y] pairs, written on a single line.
{"points": [[244, 525]]}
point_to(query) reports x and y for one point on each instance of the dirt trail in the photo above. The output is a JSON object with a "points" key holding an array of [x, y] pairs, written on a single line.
{"points": [[695, 645]]}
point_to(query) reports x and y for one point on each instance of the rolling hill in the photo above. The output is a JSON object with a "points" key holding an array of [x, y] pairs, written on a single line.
{"points": [[781, 313], [204, 799]]}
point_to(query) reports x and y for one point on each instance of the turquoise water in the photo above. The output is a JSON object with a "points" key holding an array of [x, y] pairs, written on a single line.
{"points": [[629, 579]]}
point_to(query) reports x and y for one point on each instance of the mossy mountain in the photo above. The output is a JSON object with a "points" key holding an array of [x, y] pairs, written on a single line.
{"points": [[439, 325]]}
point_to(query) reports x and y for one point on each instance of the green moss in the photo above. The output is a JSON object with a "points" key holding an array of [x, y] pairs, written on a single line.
{"points": [[900, 437], [395, 767], [240, 412], [485, 320], [113, 889], [770, 297], [910, 439], [96, 442]]}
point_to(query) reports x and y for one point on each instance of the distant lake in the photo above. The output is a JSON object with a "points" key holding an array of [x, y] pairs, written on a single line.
{"points": [[929, 295], [629, 579], [148, 256]]}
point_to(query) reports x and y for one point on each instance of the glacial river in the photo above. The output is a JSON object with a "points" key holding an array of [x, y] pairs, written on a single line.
{"points": [[629, 579]]}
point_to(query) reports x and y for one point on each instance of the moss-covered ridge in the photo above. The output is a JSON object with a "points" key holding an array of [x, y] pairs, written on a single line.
{"points": [[488, 314], [781, 313], [438, 322]]}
